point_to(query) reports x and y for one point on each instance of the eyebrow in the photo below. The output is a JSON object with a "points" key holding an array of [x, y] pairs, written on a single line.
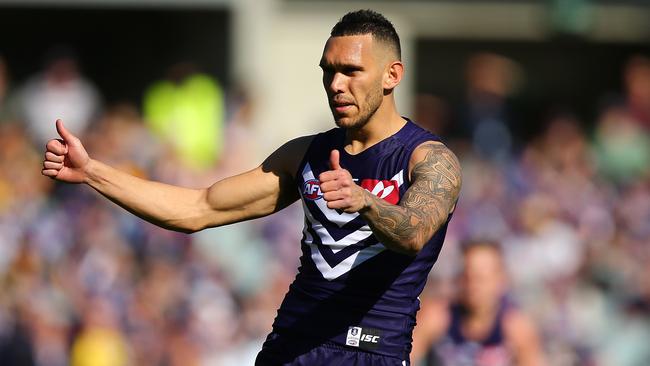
{"points": [[339, 66]]}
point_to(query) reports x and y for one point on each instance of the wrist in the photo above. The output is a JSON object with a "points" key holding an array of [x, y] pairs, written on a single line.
{"points": [[367, 201], [90, 172]]}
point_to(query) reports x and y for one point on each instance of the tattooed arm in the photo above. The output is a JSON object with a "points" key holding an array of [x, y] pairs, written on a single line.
{"points": [[436, 180], [407, 227]]}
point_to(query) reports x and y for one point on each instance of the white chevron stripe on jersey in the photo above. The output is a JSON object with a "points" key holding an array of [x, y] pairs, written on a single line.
{"points": [[339, 219], [331, 273], [325, 237]]}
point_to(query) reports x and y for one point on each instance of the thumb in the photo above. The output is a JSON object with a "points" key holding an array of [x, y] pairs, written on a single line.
{"points": [[334, 160], [63, 132]]}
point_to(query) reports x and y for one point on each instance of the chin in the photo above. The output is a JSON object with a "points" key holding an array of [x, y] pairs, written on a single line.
{"points": [[347, 122], [343, 122]]}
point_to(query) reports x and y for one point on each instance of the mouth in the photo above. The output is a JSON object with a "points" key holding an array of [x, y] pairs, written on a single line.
{"points": [[341, 107]]}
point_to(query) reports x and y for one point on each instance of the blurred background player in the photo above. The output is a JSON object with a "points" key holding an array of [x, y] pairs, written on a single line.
{"points": [[481, 327]]}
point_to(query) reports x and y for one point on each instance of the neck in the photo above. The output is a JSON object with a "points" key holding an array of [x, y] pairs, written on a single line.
{"points": [[480, 312], [384, 123]]}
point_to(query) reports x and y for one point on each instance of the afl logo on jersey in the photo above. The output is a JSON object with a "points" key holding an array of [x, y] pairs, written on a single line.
{"points": [[311, 190]]}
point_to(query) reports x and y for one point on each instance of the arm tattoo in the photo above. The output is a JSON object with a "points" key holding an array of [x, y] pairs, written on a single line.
{"points": [[425, 206]]}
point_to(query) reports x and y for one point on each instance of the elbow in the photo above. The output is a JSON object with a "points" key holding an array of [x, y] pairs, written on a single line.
{"points": [[188, 230], [415, 249], [412, 247], [418, 241], [415, 243], [195, 226], [184, 226]]}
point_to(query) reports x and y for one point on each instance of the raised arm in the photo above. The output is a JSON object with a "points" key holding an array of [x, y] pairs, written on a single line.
{"points": [[258, 192], [425, 207]]}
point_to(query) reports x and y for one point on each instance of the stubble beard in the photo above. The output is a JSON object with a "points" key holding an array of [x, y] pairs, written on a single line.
{"points": [[371, 104]]}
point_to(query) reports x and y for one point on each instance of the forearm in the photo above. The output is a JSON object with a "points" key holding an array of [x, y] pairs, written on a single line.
{"points": [[168, 206], [402, 229]]}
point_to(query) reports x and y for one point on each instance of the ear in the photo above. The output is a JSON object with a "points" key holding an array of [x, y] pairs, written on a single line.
{"points": [[393, 74]]}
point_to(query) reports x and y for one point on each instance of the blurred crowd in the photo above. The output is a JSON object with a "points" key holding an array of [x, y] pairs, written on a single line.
{"points": [[85, 283], [570, 210]]}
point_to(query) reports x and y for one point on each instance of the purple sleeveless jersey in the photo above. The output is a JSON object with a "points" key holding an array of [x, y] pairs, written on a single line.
{"points": [[455, 349], [351, 291]]}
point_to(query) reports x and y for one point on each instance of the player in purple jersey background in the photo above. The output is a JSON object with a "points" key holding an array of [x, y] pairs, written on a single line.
{"points": [[360, 313], [481, 326]]}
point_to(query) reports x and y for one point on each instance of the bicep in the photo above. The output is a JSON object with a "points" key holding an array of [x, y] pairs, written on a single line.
{"points": [[259, 192], [436, 181], [248, 195]]}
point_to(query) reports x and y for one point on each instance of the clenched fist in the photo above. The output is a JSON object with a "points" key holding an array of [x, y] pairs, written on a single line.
{"points": [[339, 189], [65, 159]]}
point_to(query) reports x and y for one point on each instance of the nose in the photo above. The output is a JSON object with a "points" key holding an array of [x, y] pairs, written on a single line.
{"points": [[335, 82]]}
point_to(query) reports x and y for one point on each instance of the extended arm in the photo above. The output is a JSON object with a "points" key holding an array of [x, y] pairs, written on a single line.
{"points": [[256, 193], [425, 207]]}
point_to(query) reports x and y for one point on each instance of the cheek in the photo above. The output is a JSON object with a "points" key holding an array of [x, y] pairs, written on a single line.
{"points": [[378, 87], [375, 93], [368, 90]]}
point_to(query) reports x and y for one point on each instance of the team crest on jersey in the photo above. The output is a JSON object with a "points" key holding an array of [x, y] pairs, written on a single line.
{"points": [[311, 190], [385, 189], [364, 338]]}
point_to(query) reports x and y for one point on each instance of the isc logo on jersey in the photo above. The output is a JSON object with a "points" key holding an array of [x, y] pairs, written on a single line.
{"points": [[311, 190], [366, 338]]}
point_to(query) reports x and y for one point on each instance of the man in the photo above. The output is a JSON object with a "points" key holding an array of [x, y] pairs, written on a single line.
{"points": [[482, 328], [60, 89], [377, 192]]}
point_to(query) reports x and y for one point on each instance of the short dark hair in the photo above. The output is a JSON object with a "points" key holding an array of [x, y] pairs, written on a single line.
{"points": [[484, 243], [367, 21]]}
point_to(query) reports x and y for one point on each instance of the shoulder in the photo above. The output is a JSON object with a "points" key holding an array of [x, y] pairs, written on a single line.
{"points": [[287, 157], [517, 325], [424, 144], [298, 144], [431, 147], [301, 144], [434, 156]]}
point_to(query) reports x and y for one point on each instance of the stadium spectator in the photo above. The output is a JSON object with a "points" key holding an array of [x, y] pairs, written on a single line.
{"points": [[487, 116], [186, 110], [480, 326], [58, 90], [636, 77]]}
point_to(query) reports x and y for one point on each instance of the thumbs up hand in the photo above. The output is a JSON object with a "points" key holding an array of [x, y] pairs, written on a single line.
{"points": [[339, 189], [65, 159], [335, 157]]}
